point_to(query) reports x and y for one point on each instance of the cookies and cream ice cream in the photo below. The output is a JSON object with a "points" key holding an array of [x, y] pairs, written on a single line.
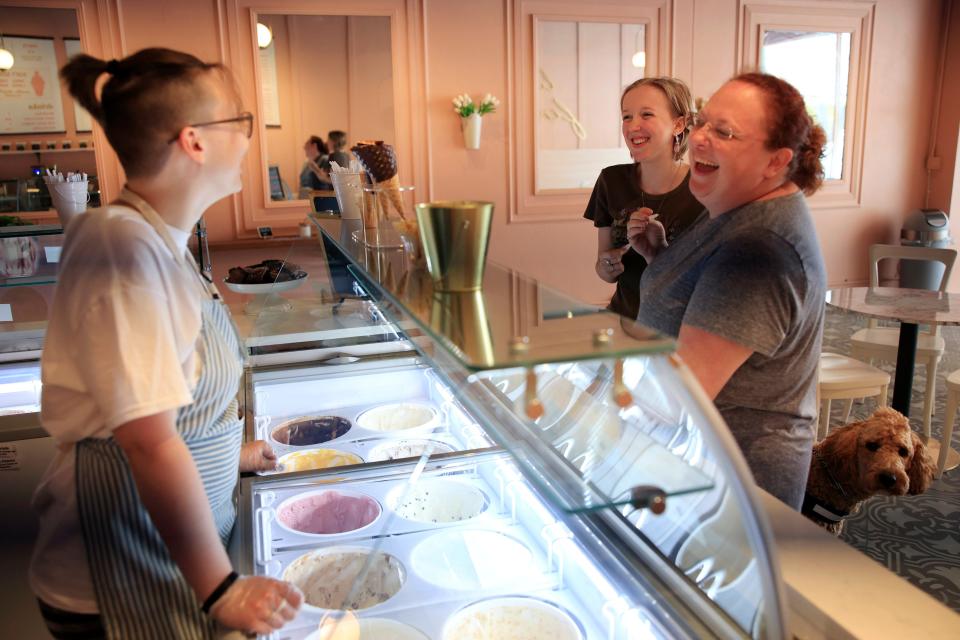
{"points": [[437, 500], [407, 449], [328, 512], [340, 578], [317, 459]]}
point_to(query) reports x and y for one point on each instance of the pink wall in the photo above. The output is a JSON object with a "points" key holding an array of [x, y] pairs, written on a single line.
{"points": [[458, 47]]}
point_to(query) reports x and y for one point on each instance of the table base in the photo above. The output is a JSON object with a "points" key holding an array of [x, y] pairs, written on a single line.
{"points": [[953, 457]]}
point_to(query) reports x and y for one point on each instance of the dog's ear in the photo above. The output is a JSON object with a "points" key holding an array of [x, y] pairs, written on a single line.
{"points": [[840, 449], [921, 468]]}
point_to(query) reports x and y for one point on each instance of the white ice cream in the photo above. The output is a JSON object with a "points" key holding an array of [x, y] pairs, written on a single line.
{"points": [[399, 416], [437, 500], [516, 618]]}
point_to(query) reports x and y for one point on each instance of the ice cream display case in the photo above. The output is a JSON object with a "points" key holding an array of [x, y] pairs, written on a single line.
{"points": [[536, 470]]}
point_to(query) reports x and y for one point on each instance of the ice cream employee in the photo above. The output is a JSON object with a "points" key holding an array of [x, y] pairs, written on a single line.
{"points": [[743, 289], [140, 375]]}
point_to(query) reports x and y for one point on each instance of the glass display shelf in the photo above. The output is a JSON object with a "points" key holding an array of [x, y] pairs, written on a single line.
{"points": [[483, 330]]}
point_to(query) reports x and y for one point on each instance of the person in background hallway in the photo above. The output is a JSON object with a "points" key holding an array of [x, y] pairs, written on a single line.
{"points": [[743, 289], [313, 175], [140, 372], [654, 113], [337, 142]]}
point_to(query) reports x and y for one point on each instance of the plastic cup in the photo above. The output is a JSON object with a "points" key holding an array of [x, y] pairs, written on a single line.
{"points": [[349, 189], [69, 199]]}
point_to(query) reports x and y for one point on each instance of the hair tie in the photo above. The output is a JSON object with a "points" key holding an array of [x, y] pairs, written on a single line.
{"points": [[113, 66]]}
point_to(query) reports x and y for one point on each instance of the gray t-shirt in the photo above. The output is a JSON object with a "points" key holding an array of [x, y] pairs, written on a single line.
{"points": [[754, 276]]}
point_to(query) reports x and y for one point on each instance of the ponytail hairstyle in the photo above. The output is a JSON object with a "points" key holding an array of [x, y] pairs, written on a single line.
{"points": [[148, 99], [789, 126], [680, 101]]}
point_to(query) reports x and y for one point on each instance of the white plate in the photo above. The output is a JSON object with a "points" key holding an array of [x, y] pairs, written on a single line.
{"points": [[268, 287]]}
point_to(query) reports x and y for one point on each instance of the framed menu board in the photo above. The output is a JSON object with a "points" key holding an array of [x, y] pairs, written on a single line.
{"points": [[30, 99], [81, 116]]}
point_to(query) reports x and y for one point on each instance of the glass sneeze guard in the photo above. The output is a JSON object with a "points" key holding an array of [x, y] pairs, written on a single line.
{"points": [[605, 459]]}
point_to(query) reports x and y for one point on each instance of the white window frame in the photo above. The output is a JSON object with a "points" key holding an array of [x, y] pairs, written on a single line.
{"points": [[855, 18]]}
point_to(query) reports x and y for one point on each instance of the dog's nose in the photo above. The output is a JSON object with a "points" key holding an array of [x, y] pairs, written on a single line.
{"points": [[887, 480]]}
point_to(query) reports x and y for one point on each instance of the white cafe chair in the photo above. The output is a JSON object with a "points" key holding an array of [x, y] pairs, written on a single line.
{"points": [[843, 378], [879, 344]]}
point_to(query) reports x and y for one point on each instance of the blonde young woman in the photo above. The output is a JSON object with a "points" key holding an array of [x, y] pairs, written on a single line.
{"points": [[654, 114], [140, 374], [743, 289]]}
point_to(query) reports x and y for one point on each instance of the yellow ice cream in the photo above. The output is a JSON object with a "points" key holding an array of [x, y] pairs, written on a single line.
{"points": [[318, 459]]}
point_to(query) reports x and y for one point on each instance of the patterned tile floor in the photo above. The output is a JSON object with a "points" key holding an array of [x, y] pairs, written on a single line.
{"points": [[917, 537]]}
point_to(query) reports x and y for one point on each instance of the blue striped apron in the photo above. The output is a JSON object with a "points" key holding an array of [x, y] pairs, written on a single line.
{"points": [[140, 591]]}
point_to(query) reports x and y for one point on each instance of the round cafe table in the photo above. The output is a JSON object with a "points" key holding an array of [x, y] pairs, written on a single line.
{"points": [[911, 307]]}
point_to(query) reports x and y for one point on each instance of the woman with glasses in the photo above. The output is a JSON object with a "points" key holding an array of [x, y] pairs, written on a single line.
{"points": [[743, 290], [140, 374], [654, 114]]}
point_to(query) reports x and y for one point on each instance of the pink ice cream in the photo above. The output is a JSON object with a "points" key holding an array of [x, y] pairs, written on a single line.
{"points": [[328, 512]]}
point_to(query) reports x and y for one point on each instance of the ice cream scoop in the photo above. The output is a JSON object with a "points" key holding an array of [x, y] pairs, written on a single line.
{"points": [[327, 512], [515, 617], [437, 500], [346, 577], [310, 430], [317, 459], [399, 416]]}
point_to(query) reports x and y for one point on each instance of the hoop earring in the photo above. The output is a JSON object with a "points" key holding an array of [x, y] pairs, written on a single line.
{"points": [[676, 145]]}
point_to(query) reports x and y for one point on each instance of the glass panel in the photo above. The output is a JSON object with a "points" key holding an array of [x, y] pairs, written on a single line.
{"points": [[29, 261], [286, 296], [513, 321], [583, 423], [818, 65], [582, 67]]}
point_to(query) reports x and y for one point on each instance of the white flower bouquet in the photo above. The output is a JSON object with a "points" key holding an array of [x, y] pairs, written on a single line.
{"points": [[464, 106]]}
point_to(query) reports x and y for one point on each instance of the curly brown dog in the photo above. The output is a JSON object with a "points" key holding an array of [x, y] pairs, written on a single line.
{"points": [[880, 455]]}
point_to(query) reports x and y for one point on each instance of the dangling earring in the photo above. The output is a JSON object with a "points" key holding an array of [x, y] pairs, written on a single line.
{"points": [[676, 145]]}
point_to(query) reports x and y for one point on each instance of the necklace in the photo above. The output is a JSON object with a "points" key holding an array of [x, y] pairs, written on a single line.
{"points": [[669, 192]]}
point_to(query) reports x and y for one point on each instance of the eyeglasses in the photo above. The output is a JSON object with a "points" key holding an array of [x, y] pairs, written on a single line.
{"points": [[720, 132], [246, 118]]}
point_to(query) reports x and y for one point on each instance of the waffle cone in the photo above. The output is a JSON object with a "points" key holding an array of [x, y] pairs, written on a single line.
{"points": [[390, 192]]}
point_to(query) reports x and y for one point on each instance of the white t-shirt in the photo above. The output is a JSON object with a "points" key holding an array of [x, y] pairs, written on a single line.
{"points": [[121, 344]]}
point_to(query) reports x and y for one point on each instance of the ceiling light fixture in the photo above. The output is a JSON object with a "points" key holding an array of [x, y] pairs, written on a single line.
{"points": [[639, 59]]}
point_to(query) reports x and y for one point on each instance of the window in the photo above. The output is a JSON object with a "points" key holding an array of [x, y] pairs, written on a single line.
{"points": [[823, 49], [818, 65]]}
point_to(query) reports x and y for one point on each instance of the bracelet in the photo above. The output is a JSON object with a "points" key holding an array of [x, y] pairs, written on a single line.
{"points": [[219, 591]]}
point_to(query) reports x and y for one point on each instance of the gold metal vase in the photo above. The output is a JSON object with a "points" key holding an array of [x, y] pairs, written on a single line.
{"points": [[455, 236], [462, 318]]}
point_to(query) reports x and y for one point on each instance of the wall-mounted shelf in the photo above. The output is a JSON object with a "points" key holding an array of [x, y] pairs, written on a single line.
{"points": [[31, 151]]}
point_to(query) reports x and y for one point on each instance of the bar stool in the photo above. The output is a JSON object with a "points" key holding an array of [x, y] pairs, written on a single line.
{"points": [[953, 402], [844, 378]]}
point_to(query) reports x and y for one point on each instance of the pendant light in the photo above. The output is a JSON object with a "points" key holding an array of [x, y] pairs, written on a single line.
{"points": [[639, 59]]}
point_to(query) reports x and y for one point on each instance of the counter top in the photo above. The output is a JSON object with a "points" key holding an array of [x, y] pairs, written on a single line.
{"points": [[836, 592]]}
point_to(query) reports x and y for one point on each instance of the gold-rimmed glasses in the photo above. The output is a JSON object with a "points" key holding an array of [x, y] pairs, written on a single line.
{"points": [[719, 131], [245, 118]]}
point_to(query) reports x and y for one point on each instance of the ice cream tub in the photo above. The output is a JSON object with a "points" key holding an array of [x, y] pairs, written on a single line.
{"points": [[514, 617], [399, 416], [437, 500], [327, 512], [309, 431], [407, 448], [345, 578], [463, 559], [349, 627], [314, 459]]}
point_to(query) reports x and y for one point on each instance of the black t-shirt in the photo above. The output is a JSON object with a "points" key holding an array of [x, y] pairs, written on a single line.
{"points": [[617, 189]]}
